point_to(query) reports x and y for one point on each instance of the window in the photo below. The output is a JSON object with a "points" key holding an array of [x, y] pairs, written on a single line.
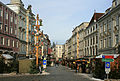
{"points": [[115, 2], [90, 51], [7, 42], [91, 29], [17, 45], [96, 39], [93, 51], [116, 39], [6, 15], [91, 42], [13, 43], [16, 31], [96, 50], [2, 41], [101, 44], [85, 51], [15, 20], [88, 42], [96, 26], [0, 26], [105, 43], [6, 28], [103, 26], [100, 29], [88, 31], [11, 19], [1, 12], [11, 30], [110, 43], [85, 43]]}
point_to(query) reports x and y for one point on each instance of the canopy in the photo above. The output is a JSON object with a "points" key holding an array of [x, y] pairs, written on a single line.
{"points": [[7, 56], [115, 55]]}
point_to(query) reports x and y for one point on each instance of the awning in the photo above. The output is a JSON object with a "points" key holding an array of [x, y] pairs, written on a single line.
{"points": [[7, 56], [115, 55]]}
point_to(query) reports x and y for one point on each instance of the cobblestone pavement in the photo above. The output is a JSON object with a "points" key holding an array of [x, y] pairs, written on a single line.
{"points": [[59, 73]]}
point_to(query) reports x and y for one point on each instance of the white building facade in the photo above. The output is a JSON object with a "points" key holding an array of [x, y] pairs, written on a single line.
{"points": [[91, 37], [109, 30], [59, 51]]}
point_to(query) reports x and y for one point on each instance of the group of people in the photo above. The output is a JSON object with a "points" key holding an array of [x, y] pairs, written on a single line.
{"points": [[81, 67]]}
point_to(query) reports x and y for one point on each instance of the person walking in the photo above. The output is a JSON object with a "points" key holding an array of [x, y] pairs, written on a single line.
{"points": [[40, 67]]}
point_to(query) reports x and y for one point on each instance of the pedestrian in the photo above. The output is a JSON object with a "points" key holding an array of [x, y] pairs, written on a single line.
{"points": [[77, 67], [83, 67], [56, 63], [40, 68]]}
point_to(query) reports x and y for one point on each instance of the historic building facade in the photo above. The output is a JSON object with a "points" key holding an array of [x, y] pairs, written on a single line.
{"points": [[109, 30], [100, 36], [91, 37], [66, 50], [59, 51], [74, 42], [78, 40], [8, 31], [81, 34], [25, 22]]}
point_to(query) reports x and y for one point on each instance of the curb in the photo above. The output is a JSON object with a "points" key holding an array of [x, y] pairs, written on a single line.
{"points": [[26, 74]]}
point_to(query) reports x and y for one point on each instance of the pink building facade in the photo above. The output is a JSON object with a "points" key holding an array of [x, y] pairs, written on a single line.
{"points": [[9, 42]]}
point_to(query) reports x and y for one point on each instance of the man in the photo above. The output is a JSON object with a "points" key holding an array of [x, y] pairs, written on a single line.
{"points": [[40, 67]]}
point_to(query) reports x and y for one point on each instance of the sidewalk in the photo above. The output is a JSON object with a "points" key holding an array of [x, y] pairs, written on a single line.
{"points": [[23, 74]]}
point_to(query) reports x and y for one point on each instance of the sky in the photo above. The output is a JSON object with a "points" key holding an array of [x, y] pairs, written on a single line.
{"points": [[61, 16]]}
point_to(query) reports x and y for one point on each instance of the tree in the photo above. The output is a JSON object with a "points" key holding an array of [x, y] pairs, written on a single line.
{"points": [[33, 69], [115, 74], [99, 71]]}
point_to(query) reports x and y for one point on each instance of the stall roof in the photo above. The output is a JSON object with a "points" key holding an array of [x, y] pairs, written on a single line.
{"points": [[7, 56], [115, 55]]}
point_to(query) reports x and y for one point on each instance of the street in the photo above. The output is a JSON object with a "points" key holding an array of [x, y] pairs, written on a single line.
{"points": [[60, 73]]}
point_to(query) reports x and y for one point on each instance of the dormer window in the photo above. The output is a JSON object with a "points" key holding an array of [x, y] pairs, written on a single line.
{"points": [[115, 3]]}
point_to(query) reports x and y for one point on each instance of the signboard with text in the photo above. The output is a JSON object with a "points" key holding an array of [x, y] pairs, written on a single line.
{"points": [[108, 56], [107, 60]]}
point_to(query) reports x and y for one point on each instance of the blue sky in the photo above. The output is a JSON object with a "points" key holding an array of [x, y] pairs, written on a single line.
{"points": [[61, 16]]}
